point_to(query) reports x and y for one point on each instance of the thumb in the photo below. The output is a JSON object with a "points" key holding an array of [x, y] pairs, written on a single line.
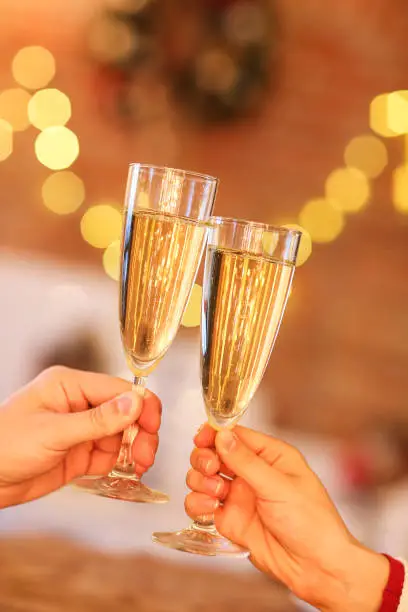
{"points": [[107, 419], [244, 462]]}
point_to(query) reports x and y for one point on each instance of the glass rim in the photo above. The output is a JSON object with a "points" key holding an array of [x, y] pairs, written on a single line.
{"points": [[216, 221], [191, 174]]}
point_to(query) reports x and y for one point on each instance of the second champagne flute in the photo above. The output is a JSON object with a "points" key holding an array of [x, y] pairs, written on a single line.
{"points": [[164, 235], [248, 274]]}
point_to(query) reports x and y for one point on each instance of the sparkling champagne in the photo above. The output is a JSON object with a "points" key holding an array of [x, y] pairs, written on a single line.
{"points": [[244, 301], [161, 254]]}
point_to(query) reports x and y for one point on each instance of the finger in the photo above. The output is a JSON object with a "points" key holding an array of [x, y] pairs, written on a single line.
{"points": [[237, 513], [205, 436], [144, 450], [95, 388], [207, 462], [109, 444], [150, 417], [198, 504], [215, 486], [275, 452], [66, 431], [244, 462]]}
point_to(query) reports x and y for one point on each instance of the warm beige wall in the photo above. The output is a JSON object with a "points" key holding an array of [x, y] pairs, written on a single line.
{"points": [[343, 349]]}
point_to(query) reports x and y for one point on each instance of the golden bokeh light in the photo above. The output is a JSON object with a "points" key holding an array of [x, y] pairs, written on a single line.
{"points": [[63, 192], [192, 314], [305, 246], [348, 189], [379, 116], [400, 189], [398, 112], [111, 260], [57, 147], [13, 108], [322, 220], [101, 225], [6, 140], [49, 107], [33, 67], [368, 154]]}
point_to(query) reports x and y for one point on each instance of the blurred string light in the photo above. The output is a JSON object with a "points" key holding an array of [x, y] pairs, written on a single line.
{"points": [[33, 67], [6, 139], [49, 107], [14, 108], [305, 246], [63, 192], [348, 189], [400, 189], [101, 225], [192, 314], [57, 147], [389, 114], [398, 112], [368, 154], [322, 220], [111, 260]]}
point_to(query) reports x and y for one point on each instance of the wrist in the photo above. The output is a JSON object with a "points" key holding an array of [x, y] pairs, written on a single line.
{"points": [[361, 578]]}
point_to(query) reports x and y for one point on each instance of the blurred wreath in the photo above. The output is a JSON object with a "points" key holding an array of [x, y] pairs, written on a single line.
{"points": [[214, 59]]}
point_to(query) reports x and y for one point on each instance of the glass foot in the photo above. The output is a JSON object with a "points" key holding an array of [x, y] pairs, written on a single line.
{"points": [[126, 489], [200, 541]]}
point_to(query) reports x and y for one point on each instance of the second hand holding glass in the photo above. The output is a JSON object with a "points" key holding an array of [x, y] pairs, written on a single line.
{"points": [[248, 274]]}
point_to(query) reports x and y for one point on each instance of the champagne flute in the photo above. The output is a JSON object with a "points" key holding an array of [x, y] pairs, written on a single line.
{"points": [[164, 235], [248, 274]]}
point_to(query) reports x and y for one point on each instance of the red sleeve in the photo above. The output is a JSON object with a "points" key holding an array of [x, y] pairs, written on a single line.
{"points": [[393, 590]]}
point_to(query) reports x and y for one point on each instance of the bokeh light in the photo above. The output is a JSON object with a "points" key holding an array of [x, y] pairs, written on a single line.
{"points": [[63, 192], [348, 189], [368, 154], [398, 112], [400, 189], [192, 314], [101, 225], [14, 108], [111, 260], [216, 72], [49, 107], [245, 23], [6, 140], [57, 147], [112, 40], [322, 220], [379, 116], [33, 67], [305, 246]]}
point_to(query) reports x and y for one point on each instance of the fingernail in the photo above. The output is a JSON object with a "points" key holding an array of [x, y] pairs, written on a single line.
{"points": [[226, 440], [204, 465], [128, 403], [215, 486]]}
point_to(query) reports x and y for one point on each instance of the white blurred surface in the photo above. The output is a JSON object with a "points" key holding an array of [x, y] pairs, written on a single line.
{"points": [[42, 303]]}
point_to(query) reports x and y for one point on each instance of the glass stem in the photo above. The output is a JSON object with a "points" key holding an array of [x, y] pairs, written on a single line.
{"points": [[125, 466], [205, 523]]}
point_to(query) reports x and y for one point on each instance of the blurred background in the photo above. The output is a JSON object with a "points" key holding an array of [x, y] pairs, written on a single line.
{"points": [[301, 110]]}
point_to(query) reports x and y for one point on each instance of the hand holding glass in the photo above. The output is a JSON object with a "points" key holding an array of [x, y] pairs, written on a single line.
{"points": [[248, 274]]}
